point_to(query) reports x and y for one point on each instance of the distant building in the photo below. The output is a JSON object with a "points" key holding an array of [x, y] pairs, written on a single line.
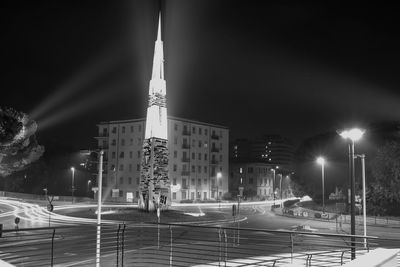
{"points": [[272, 149], [257, 179], [197, 152]]}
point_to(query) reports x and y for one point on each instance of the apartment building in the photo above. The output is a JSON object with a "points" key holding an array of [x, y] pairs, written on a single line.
{"points": [[197, 152]]}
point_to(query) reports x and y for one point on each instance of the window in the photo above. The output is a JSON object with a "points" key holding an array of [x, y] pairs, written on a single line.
{"points": [[114, 142], [193, 130], [193, 143], [205, 169], [205, 144], [193, 155], [121, 167], [251, 180], [122, 154], [250, 169], [176, 127], [113, 155], [183, 194], [104, 143], [122, 142], [220, 158], [174, 195], [174, 167], [192, 195], [123, 129], [193, 168], [199, 169], [193, 181], [138, 167], [175, 140], [112, 167], [130, 154], [206, 131], [114, 130], [184, 167], [121, 180], [132, 129], [130, 167], [175, 154], [130, 180], [200, 144], [205, 156], [200, 130], [138, 154], [205, 195], [174, 181], [140, 127], [137, 194], [199, 156], [198, 181], [184, 155], [104, 131], [131, 141], [121, 193]]}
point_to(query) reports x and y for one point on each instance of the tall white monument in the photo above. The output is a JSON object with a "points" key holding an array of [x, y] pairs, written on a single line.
{"points": [[154, 181]]}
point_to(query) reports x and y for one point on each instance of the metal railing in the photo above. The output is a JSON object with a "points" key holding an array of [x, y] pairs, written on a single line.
{"points": [[154, 244]]}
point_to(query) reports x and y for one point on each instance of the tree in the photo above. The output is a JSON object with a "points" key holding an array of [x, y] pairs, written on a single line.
{"points": [[384, 192], [18, 144]]}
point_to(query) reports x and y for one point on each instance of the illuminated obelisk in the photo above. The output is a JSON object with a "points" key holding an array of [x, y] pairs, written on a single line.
{"points": [[154, 181]]}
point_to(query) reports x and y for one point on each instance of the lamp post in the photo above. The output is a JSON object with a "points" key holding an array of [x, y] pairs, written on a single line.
{"points": [[280, 190], [362, 156], [219, 175], [99, 184], [321, 161], [72, 183], [353, 135], [273, 184]]}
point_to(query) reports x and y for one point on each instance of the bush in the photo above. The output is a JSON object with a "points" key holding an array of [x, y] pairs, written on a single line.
{"points": [[187, 201], [317, 215]]}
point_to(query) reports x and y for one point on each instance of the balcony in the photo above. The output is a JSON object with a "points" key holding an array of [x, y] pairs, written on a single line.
{"points": [[214, 136], [185, 173], [102, 135], [214, 149], [185, 159], [185, 187], [185, 146], [186, 132], [214, 161]]}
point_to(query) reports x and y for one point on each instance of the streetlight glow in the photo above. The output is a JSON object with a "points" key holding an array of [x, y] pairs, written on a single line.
{"points": [[321, 161], [354, 134]]}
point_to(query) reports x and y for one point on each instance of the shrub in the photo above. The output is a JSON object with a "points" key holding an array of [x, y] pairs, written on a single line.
{"points": [[317, 215]]}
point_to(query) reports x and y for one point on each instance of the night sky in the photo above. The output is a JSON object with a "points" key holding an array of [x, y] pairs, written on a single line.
{"points": [[297, 69]]}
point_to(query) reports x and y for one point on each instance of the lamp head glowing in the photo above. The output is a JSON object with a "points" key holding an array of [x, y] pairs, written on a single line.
{"points": [[354, 134], [321, 160], [72, 169], [219, 175]]}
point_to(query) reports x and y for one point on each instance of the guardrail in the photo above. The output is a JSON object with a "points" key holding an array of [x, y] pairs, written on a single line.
{"points": [[154, 244]]}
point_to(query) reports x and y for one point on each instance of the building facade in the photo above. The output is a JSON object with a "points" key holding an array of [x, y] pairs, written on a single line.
{"points": [[257, 180], [197, 152]]}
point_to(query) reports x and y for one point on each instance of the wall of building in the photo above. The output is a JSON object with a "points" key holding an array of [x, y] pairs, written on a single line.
{"points": [[197, 151]]}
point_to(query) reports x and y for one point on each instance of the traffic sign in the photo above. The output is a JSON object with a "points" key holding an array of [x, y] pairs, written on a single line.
{"points": [[17, 220], [233, 210], [50, 207]]}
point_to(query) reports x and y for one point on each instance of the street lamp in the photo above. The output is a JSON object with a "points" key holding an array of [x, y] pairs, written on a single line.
{"points": [[353, 135], [280, 190], [273, 184], [72, 183], [321, 161], [219, 175], [362, 156]]}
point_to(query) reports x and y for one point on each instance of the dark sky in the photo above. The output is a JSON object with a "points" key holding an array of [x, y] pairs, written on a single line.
{"points": [[285, 67]]}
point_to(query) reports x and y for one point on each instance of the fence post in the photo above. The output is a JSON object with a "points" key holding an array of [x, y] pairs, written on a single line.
{"points": [[291, 247], [170, 242], [52, 247], [226, 247], [123, 245], [341, 258], [220, 250], [119, 228]]}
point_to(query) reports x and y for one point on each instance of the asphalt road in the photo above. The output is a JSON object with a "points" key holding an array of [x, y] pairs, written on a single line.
{"points": [[183, 245]]}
